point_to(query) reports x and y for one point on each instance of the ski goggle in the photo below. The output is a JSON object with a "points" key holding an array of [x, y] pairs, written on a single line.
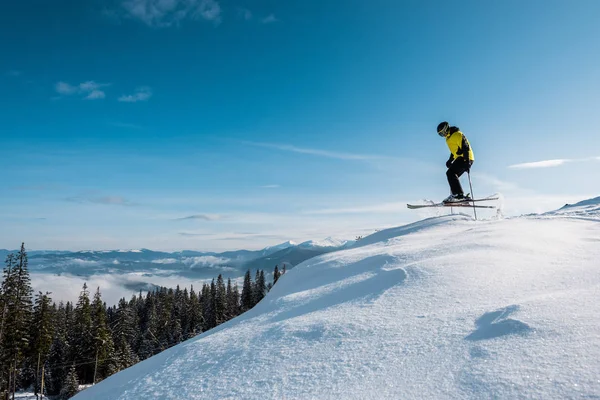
{"points": [[443, 131]]}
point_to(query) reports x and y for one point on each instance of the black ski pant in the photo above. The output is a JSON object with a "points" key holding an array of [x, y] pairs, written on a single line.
{"points": [[457, 168]]}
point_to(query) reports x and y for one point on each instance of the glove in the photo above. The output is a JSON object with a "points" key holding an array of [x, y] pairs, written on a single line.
{"points": [[449, 162], [468, 165]]}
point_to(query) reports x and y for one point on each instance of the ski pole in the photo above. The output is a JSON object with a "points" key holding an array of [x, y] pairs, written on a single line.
{"points": [[472, 195]]}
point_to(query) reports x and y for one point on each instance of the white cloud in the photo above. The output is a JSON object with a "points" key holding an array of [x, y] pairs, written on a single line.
{"points": [[551, 163], [90, 86], [65, 88], [82, 263], [205, 261], [270, 186], [90, 89], [318, 152], [539, 164], [204, 217], [95, 94], [269, 19], [163, 13], [141, 94], [107, 200], [165, 261]]}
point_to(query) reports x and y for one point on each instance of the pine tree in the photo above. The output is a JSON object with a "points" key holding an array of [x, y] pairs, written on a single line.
{"points": [[247, 296], [135, 323], [261, 287], [6, 295], [232, 302], [195, 314], [123, 332], [82, 339], [212, 315], [16, 289], [220, 301], [276, 275], [177, 316], [207, 307], [42, 334], [235, 300], [149, 345], [164, 309], [6, 292], [183, 309], [102, 340], [56, 372], [255, 290], [71, 386]]}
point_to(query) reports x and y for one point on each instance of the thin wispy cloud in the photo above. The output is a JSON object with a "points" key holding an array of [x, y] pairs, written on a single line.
{"points": [[95, 94], [496, 183], [65, 88], [551, 163], [165, 13], [141, 94], [203, 217], [269, 19], [106, 200], [90, 90], [239, 236], [318, 152], [188, 234], [14, 73], [270, 186]]}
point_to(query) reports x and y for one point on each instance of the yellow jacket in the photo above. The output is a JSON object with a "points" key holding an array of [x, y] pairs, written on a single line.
{"points": [[457, 143]]}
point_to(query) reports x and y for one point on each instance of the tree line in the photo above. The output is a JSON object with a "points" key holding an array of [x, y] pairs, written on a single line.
{"points": [[53, 348]]}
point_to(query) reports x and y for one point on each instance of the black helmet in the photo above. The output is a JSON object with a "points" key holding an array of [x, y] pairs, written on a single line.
{"points": [[442, 129]]}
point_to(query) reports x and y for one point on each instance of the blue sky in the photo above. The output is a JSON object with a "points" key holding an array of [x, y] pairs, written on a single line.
{"points": [[207, 124]]}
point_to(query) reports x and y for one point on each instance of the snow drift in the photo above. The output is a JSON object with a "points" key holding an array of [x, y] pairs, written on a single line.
{"points": [[444, 308]]}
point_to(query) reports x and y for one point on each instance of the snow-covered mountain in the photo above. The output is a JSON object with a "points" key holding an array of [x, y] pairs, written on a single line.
{"points": [[126, 272], [587, 208], [326, 243], [90, 262], [443, 308]]}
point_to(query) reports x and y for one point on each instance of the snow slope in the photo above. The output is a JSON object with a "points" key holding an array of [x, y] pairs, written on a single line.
{"points": [[445, 308], [585, 209]]}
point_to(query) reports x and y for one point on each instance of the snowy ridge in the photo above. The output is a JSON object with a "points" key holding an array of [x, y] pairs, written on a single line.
{"points": [[327, 242], [447, 307], [588, 209], [276, 248]]}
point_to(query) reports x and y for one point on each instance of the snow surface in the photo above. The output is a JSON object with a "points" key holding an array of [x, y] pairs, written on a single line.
{"points": [[327, 242], [443, 308], [276, 248], [584, 209]]}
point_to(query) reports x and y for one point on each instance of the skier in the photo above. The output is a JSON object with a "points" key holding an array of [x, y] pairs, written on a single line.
{"points": [[460, 161]]}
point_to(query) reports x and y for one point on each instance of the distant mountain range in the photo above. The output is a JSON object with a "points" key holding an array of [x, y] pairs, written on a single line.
{"points": [[188, 263]]}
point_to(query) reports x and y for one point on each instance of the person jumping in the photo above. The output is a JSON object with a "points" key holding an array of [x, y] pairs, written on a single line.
{"points": [[460, 161]]}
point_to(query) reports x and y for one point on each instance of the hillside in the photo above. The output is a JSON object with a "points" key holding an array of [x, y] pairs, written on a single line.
{"points": [[446, 307]]}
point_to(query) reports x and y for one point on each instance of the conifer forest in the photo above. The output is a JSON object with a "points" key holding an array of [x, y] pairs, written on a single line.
{"points": [[51, 348]]}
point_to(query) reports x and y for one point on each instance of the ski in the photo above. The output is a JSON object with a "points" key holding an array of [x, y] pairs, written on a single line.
{"points": [[462, 203]]}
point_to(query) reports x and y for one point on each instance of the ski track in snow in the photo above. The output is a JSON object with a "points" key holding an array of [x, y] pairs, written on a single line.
{"points": [[445, 308]]}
